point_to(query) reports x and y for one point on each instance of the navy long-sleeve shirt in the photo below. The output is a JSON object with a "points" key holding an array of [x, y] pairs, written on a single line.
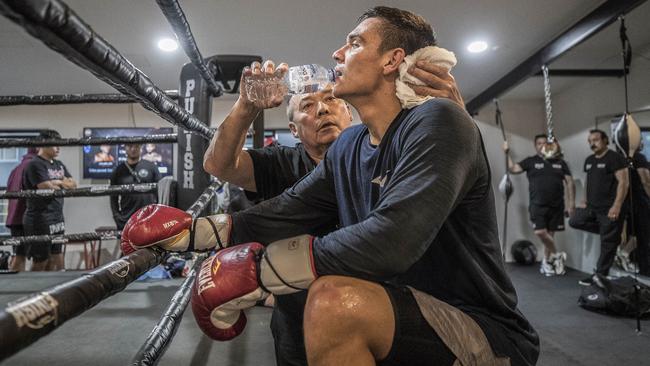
{"points": [[416, 210]]}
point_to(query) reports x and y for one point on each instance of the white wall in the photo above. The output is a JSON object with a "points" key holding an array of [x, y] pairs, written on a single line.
{"points": [[84, 214], [522, 119]]}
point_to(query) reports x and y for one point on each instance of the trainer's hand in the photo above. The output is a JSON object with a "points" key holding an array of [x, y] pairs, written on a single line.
{"points": [[226, 285], [261, 85], [172, 229], [439, 82], [614, 212]]}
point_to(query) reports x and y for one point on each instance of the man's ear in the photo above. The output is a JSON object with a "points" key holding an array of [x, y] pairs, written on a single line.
{"points": [[393, 59], [294, 130]]}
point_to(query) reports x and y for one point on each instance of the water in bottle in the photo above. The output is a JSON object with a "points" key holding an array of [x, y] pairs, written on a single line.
{"points": [[298, 80]]}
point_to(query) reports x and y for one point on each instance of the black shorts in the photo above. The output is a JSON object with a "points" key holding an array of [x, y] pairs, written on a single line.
{"points": [[415, 342], [18, 230], [547, 217], [40, 252]]}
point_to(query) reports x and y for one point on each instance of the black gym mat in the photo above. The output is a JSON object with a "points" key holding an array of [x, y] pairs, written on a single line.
{"points": [[112, 332]]}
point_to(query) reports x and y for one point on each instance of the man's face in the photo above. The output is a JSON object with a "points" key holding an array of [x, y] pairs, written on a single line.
{"points": [[49, 152], [539, 144], [133, 151], [150, 147], [105, 148], [359, 64], [319, 118], [596, 143]]}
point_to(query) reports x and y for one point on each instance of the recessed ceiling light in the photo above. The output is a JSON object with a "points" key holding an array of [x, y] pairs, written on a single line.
{"points": [[167, 45], [477, 46]]}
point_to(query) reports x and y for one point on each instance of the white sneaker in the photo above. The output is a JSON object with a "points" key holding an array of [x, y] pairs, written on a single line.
{"points": [[557, 260], [546, 268], [625, 263]]}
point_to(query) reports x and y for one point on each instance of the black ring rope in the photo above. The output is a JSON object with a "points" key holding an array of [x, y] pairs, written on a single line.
{"points": [[51, 99], [59, 27], [87, 141], [162, 334], [176, 18], [60, 239], [32, 317], [93, 191]]}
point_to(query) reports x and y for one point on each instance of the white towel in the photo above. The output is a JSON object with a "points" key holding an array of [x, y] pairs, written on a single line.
{"points": [[436, 55]]}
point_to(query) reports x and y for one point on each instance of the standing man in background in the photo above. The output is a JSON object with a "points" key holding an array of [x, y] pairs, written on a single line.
{"points": [[548, 181], [601, 211], [44, 216], [16, 209], [134, 170]]}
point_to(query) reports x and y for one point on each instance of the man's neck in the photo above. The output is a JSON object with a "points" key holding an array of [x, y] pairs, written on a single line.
{"points": [[45, 157], [316, 153], [131, 161], [377, 111], [601, 154]]}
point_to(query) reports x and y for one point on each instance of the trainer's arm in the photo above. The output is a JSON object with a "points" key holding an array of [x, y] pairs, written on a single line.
{"points": [[644, 175], [513, 167], [570, 188], [68, 183], [50, 184], [225, 158], [621, 190]]}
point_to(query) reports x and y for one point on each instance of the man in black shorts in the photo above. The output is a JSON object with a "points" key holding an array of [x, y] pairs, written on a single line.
{"points": [[407, 267], [606, 189], [44, 216], [548, 181], [133, 171]]}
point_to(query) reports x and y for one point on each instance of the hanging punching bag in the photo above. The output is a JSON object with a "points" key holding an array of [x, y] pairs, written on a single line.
{"points": [[627, 135]]}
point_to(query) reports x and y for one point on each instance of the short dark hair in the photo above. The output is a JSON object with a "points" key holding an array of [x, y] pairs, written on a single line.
{"points": [[402, 29], [540, 136], [602, 133], [49, 134]]}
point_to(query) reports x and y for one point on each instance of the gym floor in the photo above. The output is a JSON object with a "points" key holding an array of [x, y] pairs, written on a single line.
{"points": [[112, 332]]}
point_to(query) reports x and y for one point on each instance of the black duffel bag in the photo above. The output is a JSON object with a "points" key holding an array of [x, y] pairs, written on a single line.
{"points": [[617, 297]]}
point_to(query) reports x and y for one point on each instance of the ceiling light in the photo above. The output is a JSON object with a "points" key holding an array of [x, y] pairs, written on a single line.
{"points": [[167, 45], [477, 46]]}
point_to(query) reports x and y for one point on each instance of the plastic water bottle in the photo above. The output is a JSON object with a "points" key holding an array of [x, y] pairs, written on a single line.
{"points": [[298, 80]]}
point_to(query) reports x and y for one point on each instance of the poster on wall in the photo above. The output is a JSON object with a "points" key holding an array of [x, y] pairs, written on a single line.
{"points": [[99, 161]]}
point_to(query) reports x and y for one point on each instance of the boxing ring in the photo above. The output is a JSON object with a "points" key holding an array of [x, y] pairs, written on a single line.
{"points": [[34, 316]]}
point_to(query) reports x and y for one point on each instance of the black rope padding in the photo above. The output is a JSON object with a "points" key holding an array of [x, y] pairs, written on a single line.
{"points": [[162, 334], [87, 141], [54, 23], [26, 320], [203, 199], [93, 191], [60, 239], [106, 98], [176, 18]]}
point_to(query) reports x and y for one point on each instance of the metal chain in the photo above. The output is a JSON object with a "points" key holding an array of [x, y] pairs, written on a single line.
{"points": [[549, 109]]}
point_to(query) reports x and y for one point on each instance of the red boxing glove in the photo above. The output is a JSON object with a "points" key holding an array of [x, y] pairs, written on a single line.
{"points": [[173, 229], [126, 248], [227, 284]]}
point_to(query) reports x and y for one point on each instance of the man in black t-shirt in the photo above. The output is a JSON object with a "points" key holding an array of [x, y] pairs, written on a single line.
{"points": [[547, 179], [602, 210], [134, 170], [44, 216]]}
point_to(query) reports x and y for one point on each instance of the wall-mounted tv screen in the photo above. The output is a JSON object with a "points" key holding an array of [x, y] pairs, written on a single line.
{"points": [[645, 141], [99, 161]]}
